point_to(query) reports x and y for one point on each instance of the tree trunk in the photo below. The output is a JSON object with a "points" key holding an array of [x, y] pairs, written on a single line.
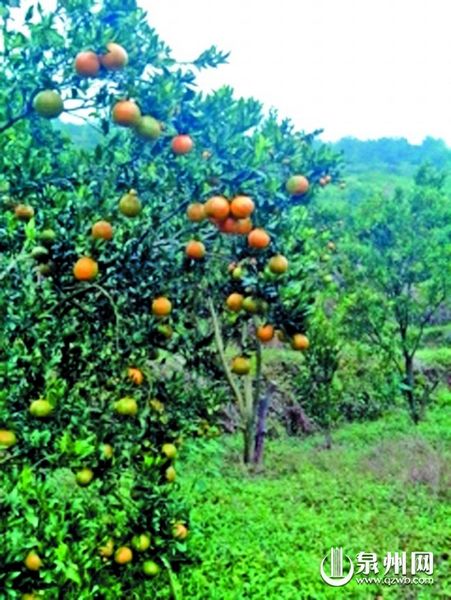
{"points": [[260, 433], [327, 439], [409, 382], [262, 413], [248, 433]]}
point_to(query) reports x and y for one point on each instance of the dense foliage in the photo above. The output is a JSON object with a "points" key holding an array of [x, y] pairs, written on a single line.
{"points": [[98, 381]]}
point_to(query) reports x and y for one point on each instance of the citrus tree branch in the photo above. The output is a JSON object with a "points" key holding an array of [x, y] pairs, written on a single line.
{"points": [[220, 346]]}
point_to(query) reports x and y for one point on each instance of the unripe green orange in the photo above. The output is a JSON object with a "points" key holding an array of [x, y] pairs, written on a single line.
{"points": [[148, 128], [241, 365], [151, 568], [278, 264], [141, 542], [107, 550], [169, 450], [170, 474], [48, 104], [84, 477], [41, 408], [126, 407], [129, 204], [7, 438]]}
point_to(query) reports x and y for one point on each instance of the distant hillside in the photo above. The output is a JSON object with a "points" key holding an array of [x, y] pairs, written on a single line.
{"points": [[392, 155], [82, 135]]}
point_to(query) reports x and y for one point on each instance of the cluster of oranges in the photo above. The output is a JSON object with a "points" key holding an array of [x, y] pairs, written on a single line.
{"points": [[234, 217], [122, 555], [229, 217], [140, 543], [125, 112]]}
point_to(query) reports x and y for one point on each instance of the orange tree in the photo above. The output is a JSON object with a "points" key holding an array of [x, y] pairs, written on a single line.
{"points": [[99, 298]]}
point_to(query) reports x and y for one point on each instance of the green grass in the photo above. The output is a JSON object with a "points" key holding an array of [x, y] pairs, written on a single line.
{"points": [[438, 335], [262, 535], [440, 356]]}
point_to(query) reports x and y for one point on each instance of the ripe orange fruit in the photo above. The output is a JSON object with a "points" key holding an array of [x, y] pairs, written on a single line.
{"points": [[322, 181], [170, 474], [265, 333], [161, 307], [228, 226], [85, 269], [127, 407], [102, 230], [180, 531], [150, 568], [195, 250], [243, 226], [182, 144], [241, 365], [48, 104], [297, 185], [169, 450], [7, 438], [126, 113], [258, 238], [278, 264], [235, 302], [123, 555], [129, 204], [87, 64], [33, 561], [116, 58], [300, 342], [242, 207], [148, 128], [217, 207], [141, 542], [40, 408], [84, 477], [328, 178], [24, 212], [107, 550], [195, 212], [136, 375]]}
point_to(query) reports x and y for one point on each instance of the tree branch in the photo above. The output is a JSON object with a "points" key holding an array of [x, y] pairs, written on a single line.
{"points": [[220, 346]]}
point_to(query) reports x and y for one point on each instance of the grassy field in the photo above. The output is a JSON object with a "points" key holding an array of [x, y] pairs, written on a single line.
{"points": [[382, 487]]}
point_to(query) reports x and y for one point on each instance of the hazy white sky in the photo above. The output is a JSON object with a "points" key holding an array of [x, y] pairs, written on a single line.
{"points": [[367, 68]]}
